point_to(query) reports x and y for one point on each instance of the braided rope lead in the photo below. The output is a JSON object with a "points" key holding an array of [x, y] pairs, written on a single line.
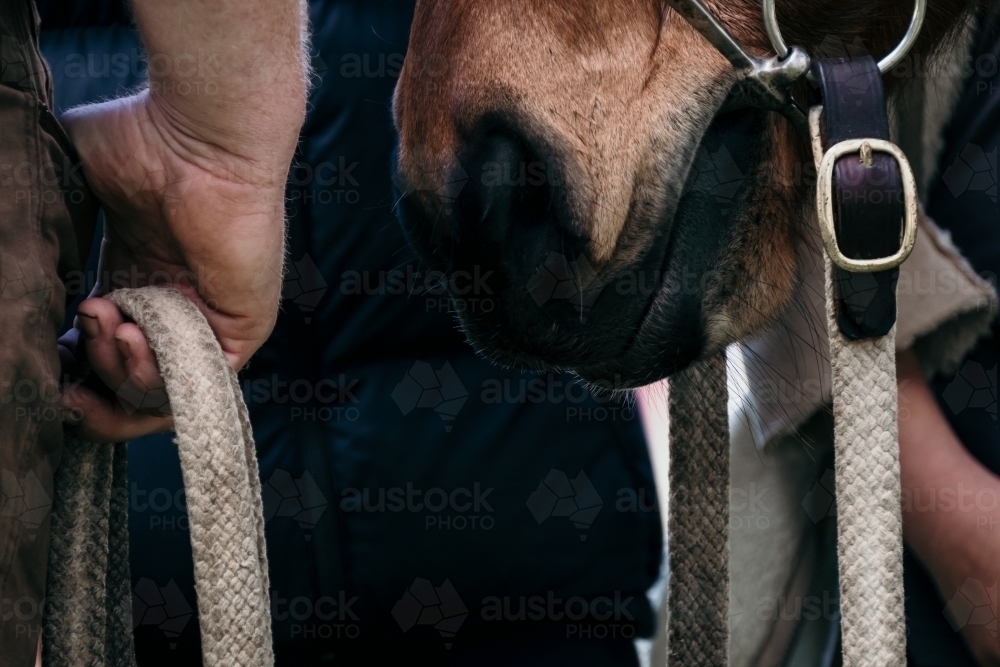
{"points": [[866, 469], [698, 522], [869, 518], [89, 623]]}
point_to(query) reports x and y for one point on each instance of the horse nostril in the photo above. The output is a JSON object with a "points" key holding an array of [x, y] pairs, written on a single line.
{"points": [[509, 189], [511, 221]]}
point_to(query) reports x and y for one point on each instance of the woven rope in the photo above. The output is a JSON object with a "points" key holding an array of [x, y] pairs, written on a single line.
{"points": [[89, 619], [866, 469], [698, 524], [869, 519]]}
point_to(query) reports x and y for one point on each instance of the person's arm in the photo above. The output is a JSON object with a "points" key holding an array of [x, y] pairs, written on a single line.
{"points": [[191, 174], [951, 517], [249, 59]]}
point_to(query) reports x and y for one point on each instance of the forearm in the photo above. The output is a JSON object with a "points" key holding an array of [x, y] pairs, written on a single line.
{"points": [[951, 503], [191, 174], [230, 74]]}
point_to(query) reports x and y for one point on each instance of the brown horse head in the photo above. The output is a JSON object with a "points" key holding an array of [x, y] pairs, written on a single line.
{"points": [[576, 157]]}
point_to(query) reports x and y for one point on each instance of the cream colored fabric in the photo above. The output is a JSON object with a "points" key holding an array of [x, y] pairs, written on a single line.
{"points": [[943, 308], [225, 513]]}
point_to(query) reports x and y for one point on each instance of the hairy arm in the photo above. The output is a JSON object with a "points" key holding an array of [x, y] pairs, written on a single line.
{"points": [[191, 173], [951, 517], [228, 75]]}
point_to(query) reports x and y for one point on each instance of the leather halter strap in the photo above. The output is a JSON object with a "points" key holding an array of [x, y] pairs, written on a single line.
{"points": [[868, 194]]}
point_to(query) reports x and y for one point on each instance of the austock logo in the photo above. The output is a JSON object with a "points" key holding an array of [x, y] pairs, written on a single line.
{"points": [[460, 508], [858, 289], [599, 617], [974, 170], [973, 388], [371, 66], [717, 175], [193, 68], [317, 67], [24, 280], [562, 279], [439, 390], [25, 615], [324, 183], [438, 168], [973, 604], [38, 401], [162, 606], [325, 617], [576, 395], [455, 292], [824, 605], [136, 176], [132, 397], [327, 399], [303, 285], [437, 606], [820, 502], [559, 496], [748, 509], [13, 69], [25, 499], [299, 499]]}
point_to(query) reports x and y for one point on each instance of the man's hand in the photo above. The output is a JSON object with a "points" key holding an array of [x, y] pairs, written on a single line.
{"points": [[191, 175]]}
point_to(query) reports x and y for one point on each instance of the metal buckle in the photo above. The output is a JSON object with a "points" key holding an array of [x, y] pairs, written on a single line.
{"points": [[824, 197]]}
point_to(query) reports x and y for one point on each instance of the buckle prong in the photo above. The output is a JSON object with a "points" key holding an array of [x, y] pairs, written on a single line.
{"points": [[867, 158]]}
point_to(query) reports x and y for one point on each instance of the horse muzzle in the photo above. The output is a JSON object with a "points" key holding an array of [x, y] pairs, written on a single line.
{"points": [[512, 236]]}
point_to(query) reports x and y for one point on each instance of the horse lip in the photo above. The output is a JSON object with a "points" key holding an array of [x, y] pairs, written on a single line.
{"points": [[624, 371], [642, 358], [639, 357]]}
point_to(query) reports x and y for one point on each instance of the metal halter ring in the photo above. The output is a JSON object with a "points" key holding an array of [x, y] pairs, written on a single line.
{"points": [[884, 65]]}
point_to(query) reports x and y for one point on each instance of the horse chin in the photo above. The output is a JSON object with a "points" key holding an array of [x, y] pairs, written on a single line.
{"points": [[630, 371], [666, 340], [628, 323]]}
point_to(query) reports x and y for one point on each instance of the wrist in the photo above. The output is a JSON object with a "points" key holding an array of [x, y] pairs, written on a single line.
{"points": [[261, 163]]}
